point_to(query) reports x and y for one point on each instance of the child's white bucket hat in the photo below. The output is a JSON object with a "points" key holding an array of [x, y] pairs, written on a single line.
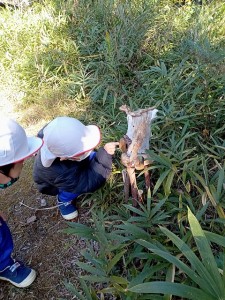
{"points": [[67, 137], [14, 143]]}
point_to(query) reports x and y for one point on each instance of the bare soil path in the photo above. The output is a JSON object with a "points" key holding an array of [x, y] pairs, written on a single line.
{"points": [[37, 234]]}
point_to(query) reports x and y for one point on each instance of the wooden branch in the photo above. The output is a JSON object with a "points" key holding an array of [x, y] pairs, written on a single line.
{"points": [[133, 184], [126, 181]]}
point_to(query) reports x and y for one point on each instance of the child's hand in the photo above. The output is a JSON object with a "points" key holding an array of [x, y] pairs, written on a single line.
{"points": [[110, 148]]}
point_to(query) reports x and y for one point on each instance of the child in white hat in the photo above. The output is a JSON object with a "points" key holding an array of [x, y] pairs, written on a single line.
{"points": [[15, 147], [67, 164]]}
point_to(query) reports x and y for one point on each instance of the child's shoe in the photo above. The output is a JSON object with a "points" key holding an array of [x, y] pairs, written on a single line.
{"points": [[18, 274], [68, 210]]}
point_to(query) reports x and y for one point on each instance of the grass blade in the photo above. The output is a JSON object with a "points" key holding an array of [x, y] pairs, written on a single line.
{"points": [[206, 254], [176, 289]]}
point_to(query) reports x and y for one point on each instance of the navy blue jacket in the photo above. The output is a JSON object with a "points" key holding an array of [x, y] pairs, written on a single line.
{"points": [[81, 177], [70, 176]]}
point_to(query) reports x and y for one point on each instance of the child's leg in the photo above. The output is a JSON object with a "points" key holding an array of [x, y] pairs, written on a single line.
{"points": [[67, 209], [11, 270], [6, 245], [66, 196]]}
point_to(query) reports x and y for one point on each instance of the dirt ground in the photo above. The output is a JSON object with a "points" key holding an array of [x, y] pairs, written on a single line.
{"points": [[38, 241]]}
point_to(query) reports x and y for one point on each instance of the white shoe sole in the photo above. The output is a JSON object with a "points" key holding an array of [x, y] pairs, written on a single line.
{"points": [[25, 283], [71, 216]]}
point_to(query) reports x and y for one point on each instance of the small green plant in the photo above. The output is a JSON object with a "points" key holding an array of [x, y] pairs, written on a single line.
{"points": [[207, 281], [213, 188], [145, 215], [112, 259]]}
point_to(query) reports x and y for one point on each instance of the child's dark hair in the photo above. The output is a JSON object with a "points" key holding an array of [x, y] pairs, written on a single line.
{"points": [[6, 169]]}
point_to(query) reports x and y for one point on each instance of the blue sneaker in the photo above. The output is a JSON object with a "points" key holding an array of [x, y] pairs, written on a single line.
{"points": [[68, 210], [18, 274]]}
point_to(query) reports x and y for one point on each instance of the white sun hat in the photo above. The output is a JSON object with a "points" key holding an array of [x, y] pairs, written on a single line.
{"points": [[14, 143], [68, 137]]}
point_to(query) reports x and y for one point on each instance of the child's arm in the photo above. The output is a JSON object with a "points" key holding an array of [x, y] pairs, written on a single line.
{"points": [[110, 148], [92, 174]]}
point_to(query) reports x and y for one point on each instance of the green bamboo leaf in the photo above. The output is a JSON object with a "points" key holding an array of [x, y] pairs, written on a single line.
{"points": [[119, 238], [206, 254], [165, 160], [209, 194], [163, 69], [224, 268], [170, 274], [160, 181], [108, 290], [105, 95], [115, 260], [157, 207], [79, 226], [212, 199], [90, 269], [181, 142], [134, 230], [205, 170], [71, 288], [220, 181], [210, 149], [193, 259], [137, 219], [189, 82], [118, 288], [202, 211], [214, 193], [174, 260], [79, 229], [215, 238], [160, 218], [119, 280], [196, 91], [187, 117], [184, 174], [200, 178], [97, 262], [145, 273], [188, 187], [84, 234], [219, 220], [168, 183], [135, 210], [85, 289], [177, 289], [93, 294], [95, 278], [161, 159]]}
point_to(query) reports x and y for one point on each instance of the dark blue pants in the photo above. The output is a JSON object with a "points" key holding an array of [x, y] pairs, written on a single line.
{"points": [[6, 245], [66, 196]]}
